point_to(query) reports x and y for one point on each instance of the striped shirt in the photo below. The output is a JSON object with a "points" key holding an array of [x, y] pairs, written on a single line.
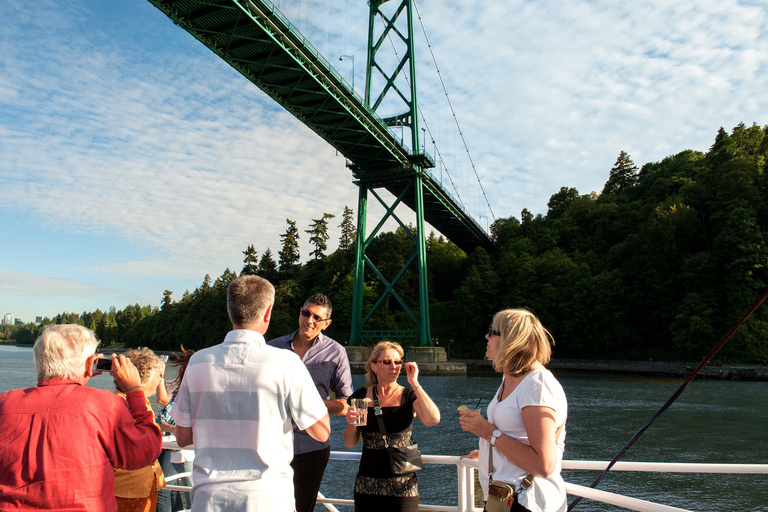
{"points": [[239, 398]]}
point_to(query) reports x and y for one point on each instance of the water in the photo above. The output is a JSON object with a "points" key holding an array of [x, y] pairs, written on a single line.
{"points": [[17, 370], [712, 421]]}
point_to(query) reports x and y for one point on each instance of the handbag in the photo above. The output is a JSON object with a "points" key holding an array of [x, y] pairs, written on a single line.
{"points": [[402, 460], [501, 495]]}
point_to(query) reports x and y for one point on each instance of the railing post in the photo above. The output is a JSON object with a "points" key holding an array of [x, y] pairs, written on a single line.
{"points": [[466, 490], [470, 488]]}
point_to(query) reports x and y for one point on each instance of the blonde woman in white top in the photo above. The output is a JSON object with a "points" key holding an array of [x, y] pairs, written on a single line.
{"points": [[525, 415]]}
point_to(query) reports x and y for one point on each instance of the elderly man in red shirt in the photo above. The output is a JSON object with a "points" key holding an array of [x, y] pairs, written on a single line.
{"points": [[60, 439]]}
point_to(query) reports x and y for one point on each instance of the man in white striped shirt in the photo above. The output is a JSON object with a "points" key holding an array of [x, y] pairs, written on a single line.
{"points": [[236, 404]]}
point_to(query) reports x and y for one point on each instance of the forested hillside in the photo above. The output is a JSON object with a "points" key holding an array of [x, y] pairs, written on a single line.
{"points": [[659, 264]]}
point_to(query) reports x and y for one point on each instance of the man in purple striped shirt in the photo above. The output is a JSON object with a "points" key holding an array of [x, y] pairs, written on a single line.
{"points": [[328, 365]]}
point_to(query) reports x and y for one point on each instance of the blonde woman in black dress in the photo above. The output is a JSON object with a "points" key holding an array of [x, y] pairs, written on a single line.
{"points": [[376, 488]]}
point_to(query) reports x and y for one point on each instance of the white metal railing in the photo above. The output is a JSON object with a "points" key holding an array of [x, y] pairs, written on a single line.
{"points": [[465, 470], [465, 487]]}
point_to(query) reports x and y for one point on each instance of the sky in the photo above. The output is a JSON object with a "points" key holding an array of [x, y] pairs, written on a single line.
{"points": [[133, 160]]}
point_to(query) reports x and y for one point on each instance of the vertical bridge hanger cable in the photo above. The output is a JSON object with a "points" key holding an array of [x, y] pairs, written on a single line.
{"points": [[455, 118], [426, 124], [453, 112]]}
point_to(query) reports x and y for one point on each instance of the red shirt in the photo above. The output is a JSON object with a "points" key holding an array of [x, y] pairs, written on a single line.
{"points": [[60, 440]]}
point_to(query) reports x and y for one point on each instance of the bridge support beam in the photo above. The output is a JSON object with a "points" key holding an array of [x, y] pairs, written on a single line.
{"points": [[421, 243], [362, 313], [395, 92], [356, 336]]}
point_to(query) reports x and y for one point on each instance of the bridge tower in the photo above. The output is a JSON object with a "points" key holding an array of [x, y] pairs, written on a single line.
{"points": [[390, 86]]}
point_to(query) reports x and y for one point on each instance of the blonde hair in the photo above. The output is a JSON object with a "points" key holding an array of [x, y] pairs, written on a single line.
{"points": [[370, 376], [146, 361], [62, 350], [524, 341]]}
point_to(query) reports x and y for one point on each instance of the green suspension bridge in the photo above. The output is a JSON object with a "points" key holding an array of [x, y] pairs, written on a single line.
{"points": [[257, 40]]}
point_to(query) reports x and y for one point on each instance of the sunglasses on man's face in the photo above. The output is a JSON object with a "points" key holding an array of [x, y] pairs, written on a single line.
{"points": [[307, 314], [491, 332]]}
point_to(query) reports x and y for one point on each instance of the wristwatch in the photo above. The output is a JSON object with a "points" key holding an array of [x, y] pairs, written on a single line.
{"points": [[494, 436]]}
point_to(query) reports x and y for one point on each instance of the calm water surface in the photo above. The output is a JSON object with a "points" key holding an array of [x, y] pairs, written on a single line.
{"points": [[713, 422]]}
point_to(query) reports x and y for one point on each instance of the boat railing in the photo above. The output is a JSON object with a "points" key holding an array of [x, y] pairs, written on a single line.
{"points": [[465, 470]]}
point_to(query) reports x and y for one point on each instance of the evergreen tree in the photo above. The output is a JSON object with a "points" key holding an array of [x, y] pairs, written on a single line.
{"points": [[107, 331], [227, 277], [127, 318], [91, 320], [289, 254], [660, 274], [251, 262], [348, 234], [318, 235], [268, 266], [622, 176], [559, 203], [167, 302]]}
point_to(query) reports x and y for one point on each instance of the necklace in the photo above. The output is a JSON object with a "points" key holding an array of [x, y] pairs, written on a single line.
{"points": [[390, 395]]}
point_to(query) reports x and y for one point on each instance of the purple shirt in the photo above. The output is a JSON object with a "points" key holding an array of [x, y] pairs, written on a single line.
{"points": [[328, 365]]}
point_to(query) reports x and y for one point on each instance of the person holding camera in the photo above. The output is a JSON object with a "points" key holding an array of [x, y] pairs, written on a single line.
{"points": [[61, 439]]}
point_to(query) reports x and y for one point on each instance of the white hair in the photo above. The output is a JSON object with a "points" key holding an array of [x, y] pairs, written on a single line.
{"points": [[62, 350]]}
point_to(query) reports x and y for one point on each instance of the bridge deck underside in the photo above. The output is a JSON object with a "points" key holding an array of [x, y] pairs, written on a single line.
{"points": [[260, 43]]}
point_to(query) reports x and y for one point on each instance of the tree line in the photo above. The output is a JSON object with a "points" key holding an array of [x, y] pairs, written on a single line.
{"points": [[659, 264]]}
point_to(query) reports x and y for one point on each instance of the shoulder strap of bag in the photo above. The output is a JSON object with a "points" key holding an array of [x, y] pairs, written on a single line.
{"points": [[379, 417], [528, 480]]}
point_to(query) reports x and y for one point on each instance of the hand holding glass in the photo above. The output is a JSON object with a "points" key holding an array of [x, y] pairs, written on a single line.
{"points": [[361, 406]]}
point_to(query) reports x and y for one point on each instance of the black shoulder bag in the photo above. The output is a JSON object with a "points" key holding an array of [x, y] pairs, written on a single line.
{"points": [[402, 460]]}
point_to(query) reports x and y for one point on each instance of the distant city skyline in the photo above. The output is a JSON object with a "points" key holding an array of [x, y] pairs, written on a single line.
{"points": [[10, 319]]}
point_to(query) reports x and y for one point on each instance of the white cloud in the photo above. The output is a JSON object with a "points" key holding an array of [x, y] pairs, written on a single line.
{"points": [[19, 283], [167, 161], [124, 126]]}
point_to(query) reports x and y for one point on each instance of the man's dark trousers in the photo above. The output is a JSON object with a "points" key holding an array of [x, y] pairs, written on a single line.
{"points": [[308, 469]]}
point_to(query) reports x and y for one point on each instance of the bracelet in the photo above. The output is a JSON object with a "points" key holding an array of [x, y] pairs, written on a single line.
{"points": [[131, 389], [417, 387]]}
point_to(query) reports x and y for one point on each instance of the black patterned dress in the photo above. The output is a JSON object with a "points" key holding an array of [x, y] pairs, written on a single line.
{"points": [[376, 488]]}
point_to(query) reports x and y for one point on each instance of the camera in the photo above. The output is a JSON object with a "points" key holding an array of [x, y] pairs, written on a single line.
{"points": [[103, 364]]}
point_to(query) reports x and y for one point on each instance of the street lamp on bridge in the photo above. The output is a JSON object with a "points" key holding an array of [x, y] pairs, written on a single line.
{"points": [[352, 57]]}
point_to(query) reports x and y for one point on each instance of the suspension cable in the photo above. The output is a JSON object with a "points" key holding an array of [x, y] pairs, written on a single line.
{"points": [[453, 112], [426, 124], [677, 393]]}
